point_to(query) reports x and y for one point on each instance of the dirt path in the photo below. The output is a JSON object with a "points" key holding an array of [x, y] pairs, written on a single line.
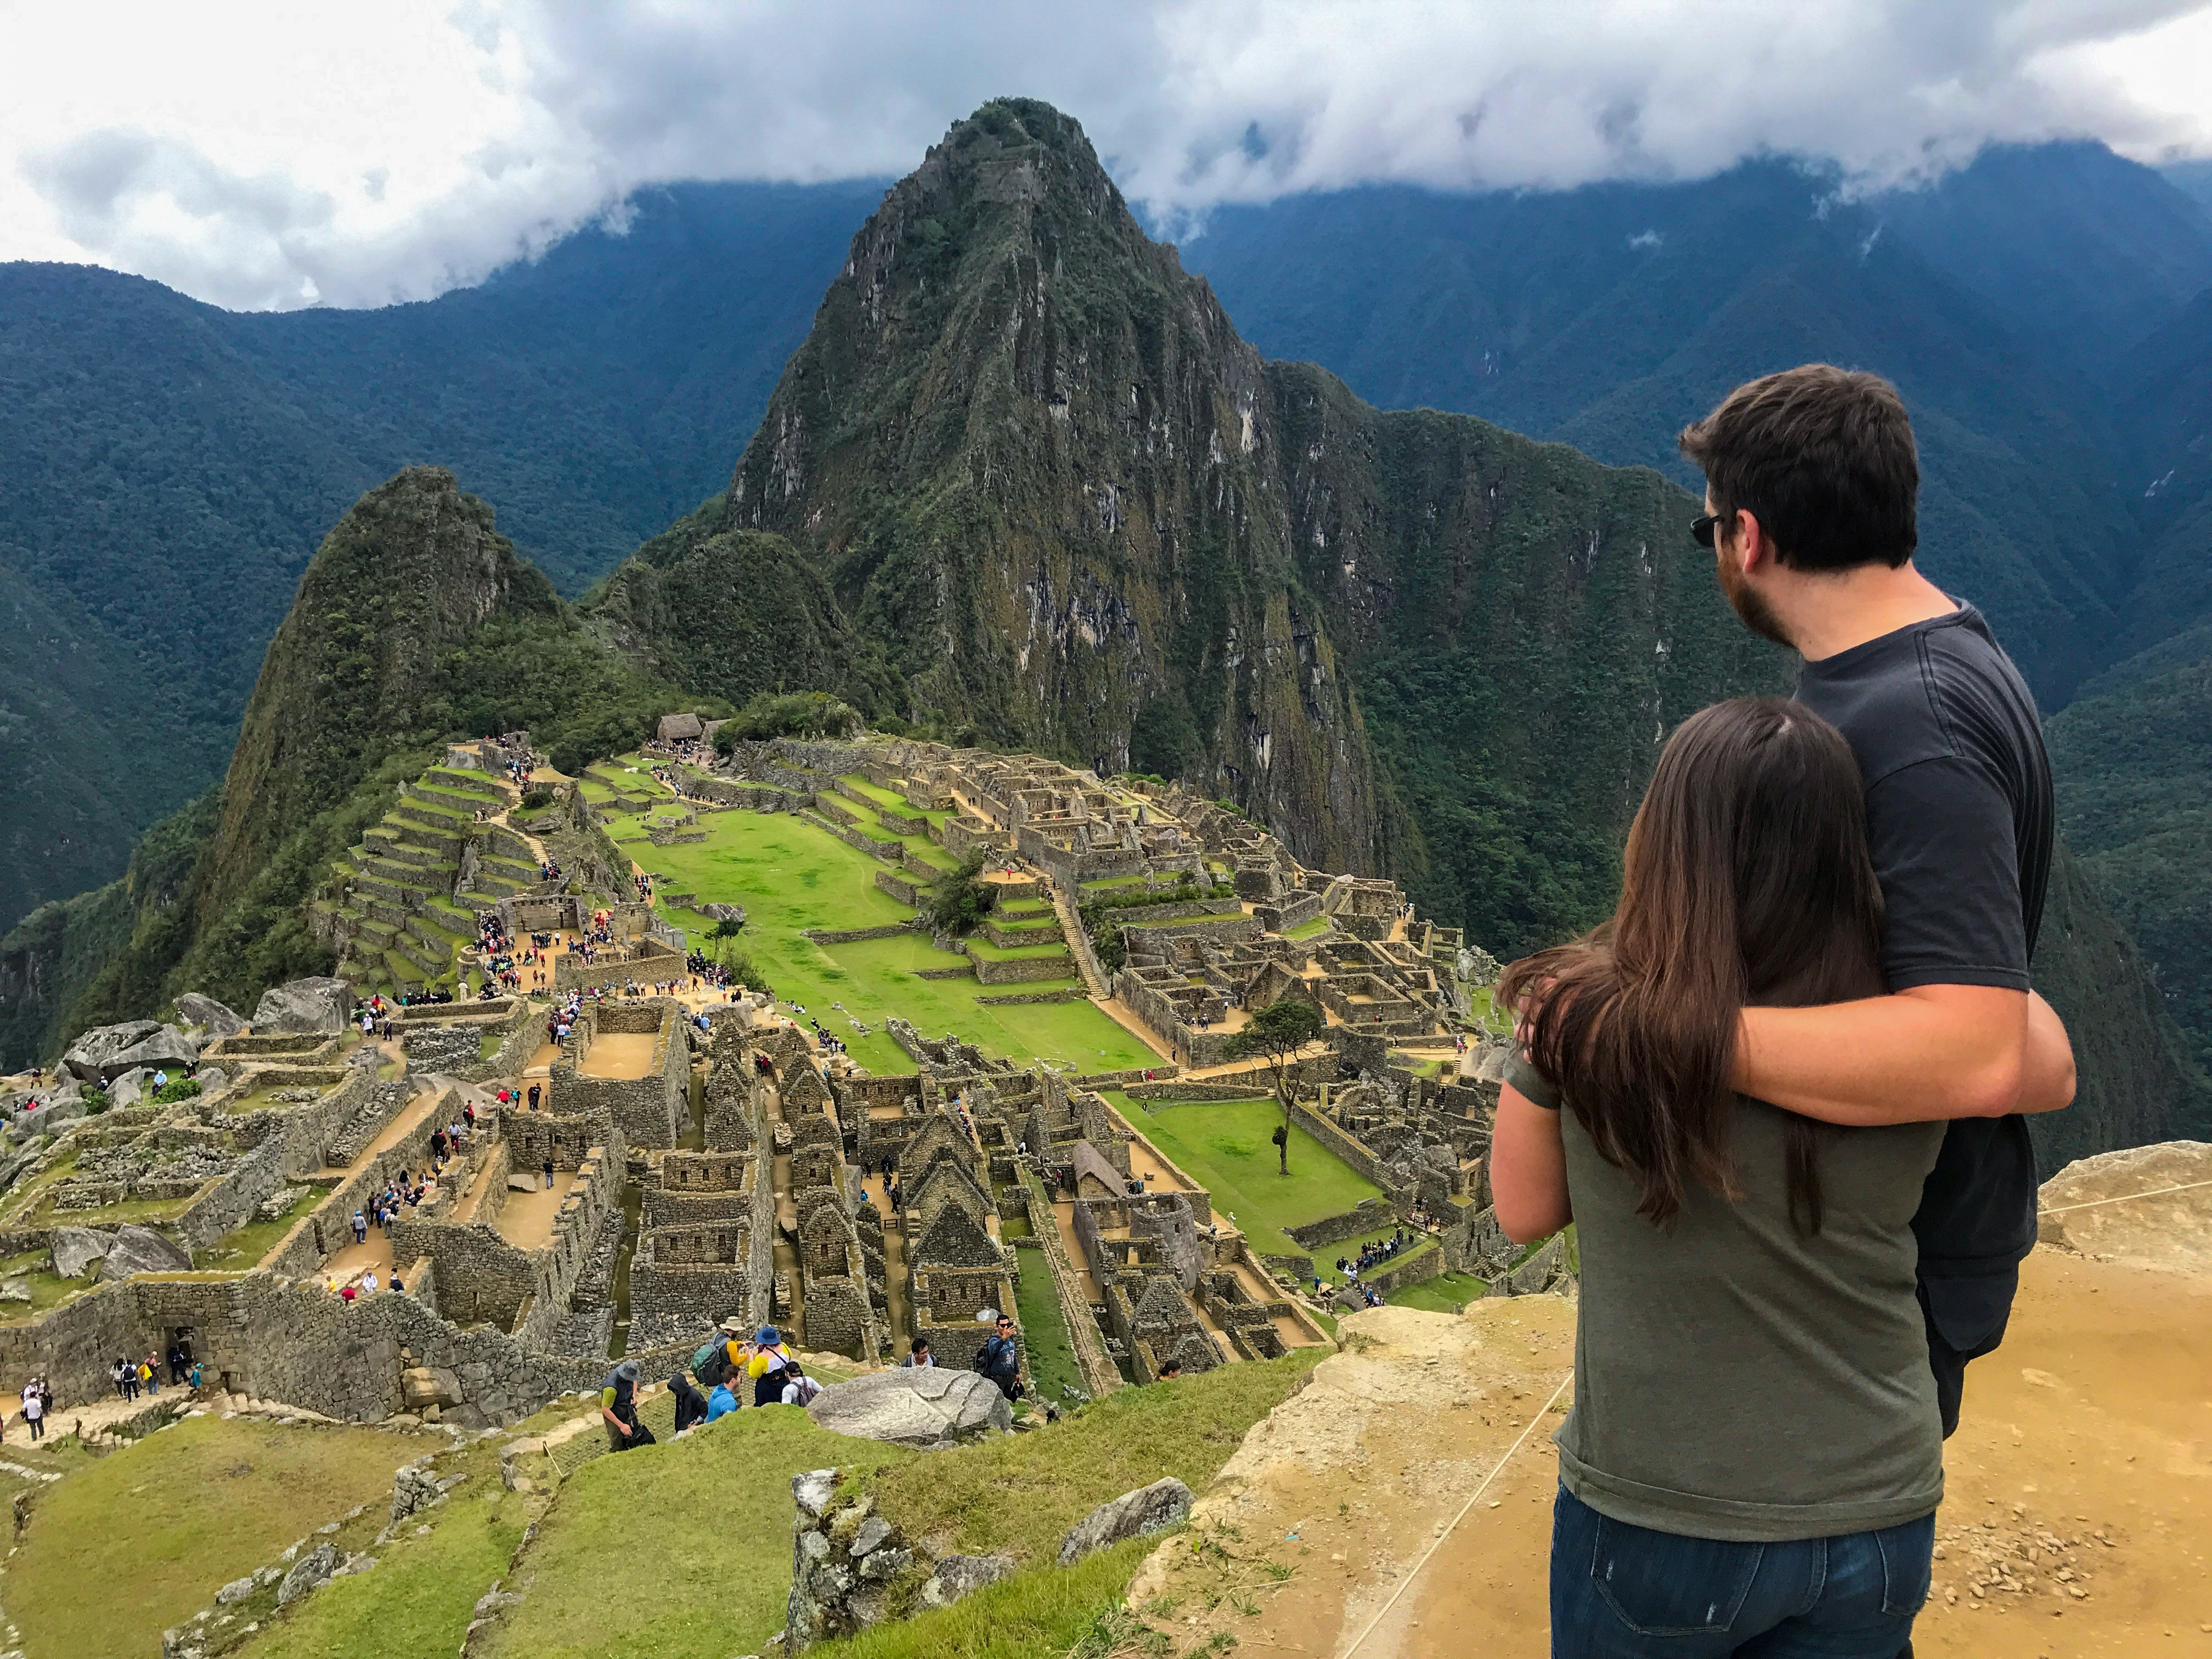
{"points": [[2079, 1500]]}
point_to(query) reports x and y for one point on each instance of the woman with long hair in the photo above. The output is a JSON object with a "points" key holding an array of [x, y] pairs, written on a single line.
{"points": [[1754, 1458]]}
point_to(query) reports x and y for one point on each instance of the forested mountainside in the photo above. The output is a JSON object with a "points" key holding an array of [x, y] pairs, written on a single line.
{"points": [[171, 467], [1024, 483]]}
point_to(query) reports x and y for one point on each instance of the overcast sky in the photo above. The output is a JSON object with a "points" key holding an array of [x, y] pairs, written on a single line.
{"points": [[283, 153]]}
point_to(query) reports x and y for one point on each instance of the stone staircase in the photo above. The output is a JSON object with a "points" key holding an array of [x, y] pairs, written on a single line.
{"points": [[405, 902]]}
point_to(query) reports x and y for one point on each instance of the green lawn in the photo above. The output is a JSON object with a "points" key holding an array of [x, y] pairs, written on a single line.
{"points": [[791, 875], [677, 1548], [423, 1591], [1445, 1293], [1044, 1328], [244, 1247], [1225, 1148], [139, 1541]]}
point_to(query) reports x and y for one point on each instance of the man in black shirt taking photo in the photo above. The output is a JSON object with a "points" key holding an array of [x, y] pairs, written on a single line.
{"points": [[1812, 480]]}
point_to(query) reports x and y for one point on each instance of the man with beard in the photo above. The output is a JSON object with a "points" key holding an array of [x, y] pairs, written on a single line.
{"points": [[1811, 481]]}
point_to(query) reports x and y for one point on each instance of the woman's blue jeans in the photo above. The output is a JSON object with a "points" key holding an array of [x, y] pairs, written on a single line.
{"points": [[1624, 1592]]}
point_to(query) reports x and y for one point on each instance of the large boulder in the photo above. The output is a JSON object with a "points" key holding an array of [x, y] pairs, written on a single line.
{"points": [[77, 1249], [1132, 1515], [167, 1050], [304, 1007], [311, 1571], [98, 1054], [211, 1015], [930, 1408], [141, 1250], [128, 1089]]}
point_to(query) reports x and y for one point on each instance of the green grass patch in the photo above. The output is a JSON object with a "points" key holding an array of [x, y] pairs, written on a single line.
{"points": [[1020, 1493], [790, 876], [1044, 1328], [33, 1268], [1225, 1148], [1306, 929], [982, 948], [674, 1548], [137, 1541], [244, 1247], [1042, 1614], [423, 1593], [1445, 1293]]}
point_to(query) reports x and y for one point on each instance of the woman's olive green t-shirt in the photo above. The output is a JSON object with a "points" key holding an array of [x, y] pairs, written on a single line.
{"points": [[1736, 1376]]}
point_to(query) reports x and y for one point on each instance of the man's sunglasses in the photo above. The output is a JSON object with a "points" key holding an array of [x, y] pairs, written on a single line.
{"points": [[1702, 527]]}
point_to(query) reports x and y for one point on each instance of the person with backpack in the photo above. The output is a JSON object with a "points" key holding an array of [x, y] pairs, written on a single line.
{"points": [[769, 1356], [619, 1405], [799, 1388], [920, 1358], [34, 1409], [1000, 1360]]}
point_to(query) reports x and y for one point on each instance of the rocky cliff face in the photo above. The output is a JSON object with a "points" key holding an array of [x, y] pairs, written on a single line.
{"points": [[1038, 466]]}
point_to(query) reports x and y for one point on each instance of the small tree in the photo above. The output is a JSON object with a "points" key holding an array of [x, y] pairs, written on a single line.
{"points": [[1275, 1035], [958, 903]]}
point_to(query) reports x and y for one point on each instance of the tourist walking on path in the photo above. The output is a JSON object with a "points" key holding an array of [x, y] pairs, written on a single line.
{"points": [[359, 1228], [999, 1359], [549, 1172], [34, 1408]]}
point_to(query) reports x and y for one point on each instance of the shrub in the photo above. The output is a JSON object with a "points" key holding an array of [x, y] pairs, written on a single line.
{"points": [[958, 903], [789, 714], [742, 969], [177, 1088], [537, 798]]}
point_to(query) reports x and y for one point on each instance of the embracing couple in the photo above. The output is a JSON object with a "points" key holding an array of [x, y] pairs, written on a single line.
{"points": [[1780, 1092]]}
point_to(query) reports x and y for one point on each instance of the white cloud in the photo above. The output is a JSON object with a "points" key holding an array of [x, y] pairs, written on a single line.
{"points": [[259, 153]]}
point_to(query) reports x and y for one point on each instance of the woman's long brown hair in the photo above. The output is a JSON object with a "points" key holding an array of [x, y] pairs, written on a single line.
{"points": [[1747, 881]]}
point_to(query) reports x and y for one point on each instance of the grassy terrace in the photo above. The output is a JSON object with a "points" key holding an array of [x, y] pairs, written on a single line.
{"points": [[206, 1502], [790, 876], [244, 1247], [1225, 1147]]}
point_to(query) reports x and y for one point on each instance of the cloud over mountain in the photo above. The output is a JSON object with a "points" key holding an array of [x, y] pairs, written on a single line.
{"points": [[282, 154]]}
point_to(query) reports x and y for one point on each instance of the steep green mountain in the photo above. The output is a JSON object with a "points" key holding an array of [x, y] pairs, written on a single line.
{"points": [[1024, 483], [415, 622], [171, 466], [1037, 464], [1609, 316]]}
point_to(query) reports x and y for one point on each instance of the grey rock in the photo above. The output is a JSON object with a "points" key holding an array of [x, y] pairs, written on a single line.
{"points": [[141, 1250], [311, 1571], [15, 1290], [236, 1591], [885, 1564], [962, 1575], [128, 1089], [813, 1490], [1132, 1515], [98, 1054], [814, 1547], [77, 1249], [167, 1050], [304, 1007], [495, 1600], [211, 1015], [873, 1531], [928, 1408]]}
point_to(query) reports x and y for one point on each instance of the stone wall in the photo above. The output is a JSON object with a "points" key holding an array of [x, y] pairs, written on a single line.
{"points": [[1020, 970], [481, 1277], [1065, 994], [648, 1111], [1371, 1215]]}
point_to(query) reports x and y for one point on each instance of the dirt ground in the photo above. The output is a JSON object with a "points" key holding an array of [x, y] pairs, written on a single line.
{"points": [[2077, 1519]]}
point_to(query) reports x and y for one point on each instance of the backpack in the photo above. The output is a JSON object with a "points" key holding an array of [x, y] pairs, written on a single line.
{"points": [[710, 1362], [807, 1387]]}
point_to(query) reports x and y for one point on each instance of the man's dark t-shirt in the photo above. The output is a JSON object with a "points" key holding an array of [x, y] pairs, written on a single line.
{"points": [[1958, 810]]}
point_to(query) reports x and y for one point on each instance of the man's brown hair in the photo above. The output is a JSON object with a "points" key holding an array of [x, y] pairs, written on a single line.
{"points": [[1823, 458]]}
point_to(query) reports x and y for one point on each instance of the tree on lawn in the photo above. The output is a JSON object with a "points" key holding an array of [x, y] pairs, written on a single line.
{"points": [[1275, 1035]]}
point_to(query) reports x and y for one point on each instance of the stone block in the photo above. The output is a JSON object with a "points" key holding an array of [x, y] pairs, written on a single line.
{"points": [[927, 1408], [303, 1007], [429, 1385], [1132, 1515], [77, 1249], [211, 1015], [311, 1571], [139, 1249], [957, 1576]]}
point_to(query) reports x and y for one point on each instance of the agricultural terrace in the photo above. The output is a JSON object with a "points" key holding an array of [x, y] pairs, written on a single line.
{"points": [[792, 876]]}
